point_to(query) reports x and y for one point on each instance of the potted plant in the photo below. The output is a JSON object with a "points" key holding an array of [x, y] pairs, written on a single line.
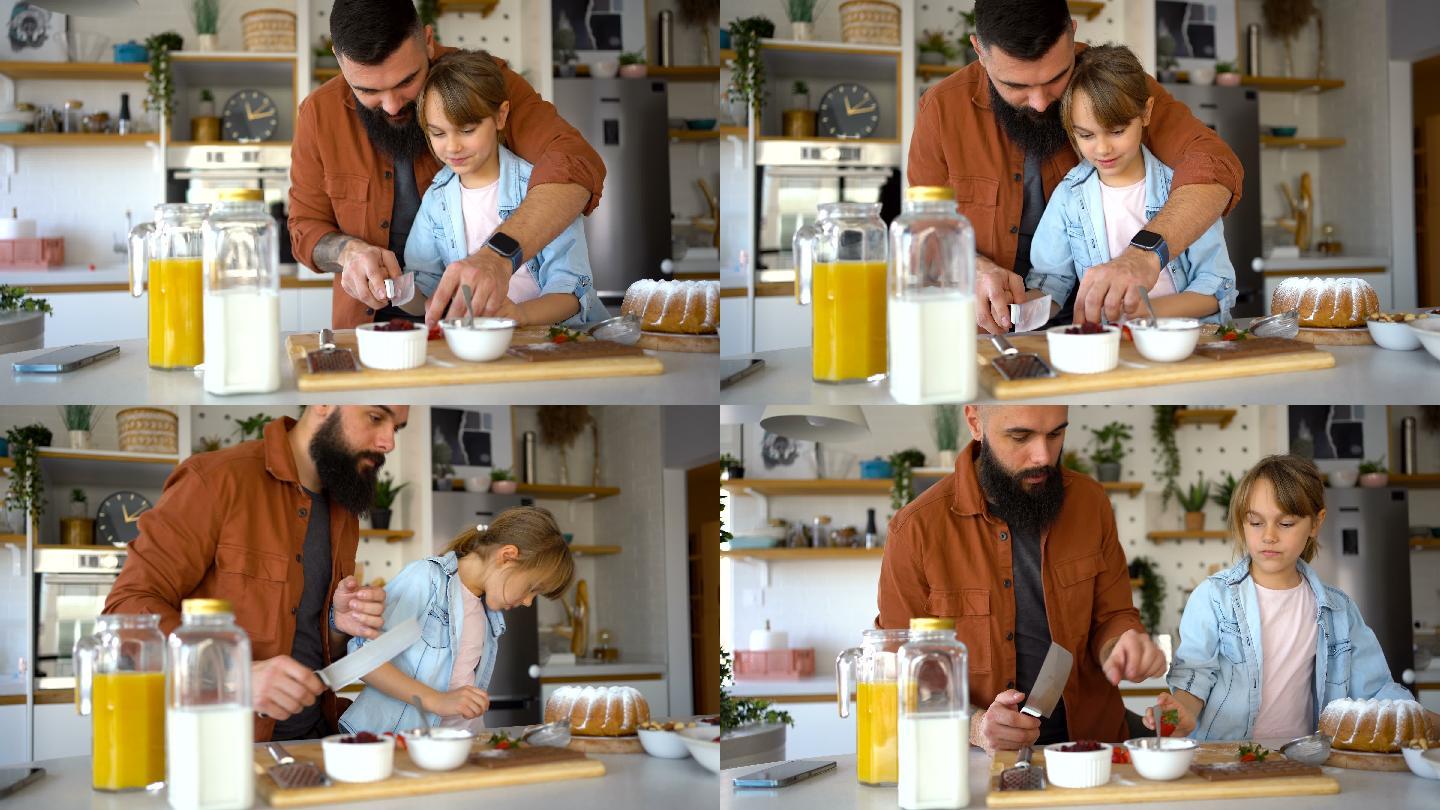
{"points": [[751, 731], [1166, 63], [386, 491], [632, 65], [563, 43], [1193, 501], [730, 467], [702, 14], [560, 426], [747, 71], [206, 107], [501, 483], [801, 14], [946, 424], [967, 50], [26, 495], [1374, 474], [799, 96], [1109, 451], [934, 48], [1152, 592], [1162, 430], [325, 52], [1224, 494], [207, 24], [79, 420], [1226, 75], [1075, 462], [902, 482], [160, 88], [79, 503], [22, 319], [209, 444], [252, 427], [440, 469]]}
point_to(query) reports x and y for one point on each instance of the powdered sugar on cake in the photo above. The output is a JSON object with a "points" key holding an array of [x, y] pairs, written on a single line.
{"points": [[1326, 302]]}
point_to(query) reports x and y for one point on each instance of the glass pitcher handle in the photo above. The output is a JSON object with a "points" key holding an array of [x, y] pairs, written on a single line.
{"points": [[139, 261], [85, 654], [844, 665], [802, 249]]}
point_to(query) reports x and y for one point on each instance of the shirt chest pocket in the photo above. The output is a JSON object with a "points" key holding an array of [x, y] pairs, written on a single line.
{"points": [[350, 197], [1080, 251], [977, 198], [1232, 647], [1076, 578], [435, 629], [970, 608], [1337, 664], [255, 582]]}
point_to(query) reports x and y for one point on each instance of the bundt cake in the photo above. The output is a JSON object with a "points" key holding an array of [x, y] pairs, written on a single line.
{"points": [[678, 307], [598, 711], [1380, 726], [1326, 302]]}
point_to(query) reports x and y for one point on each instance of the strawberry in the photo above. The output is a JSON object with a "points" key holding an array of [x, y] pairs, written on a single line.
{"points": [[1169, 719], [1119, 756], [1252, 752], [1125, 333]]}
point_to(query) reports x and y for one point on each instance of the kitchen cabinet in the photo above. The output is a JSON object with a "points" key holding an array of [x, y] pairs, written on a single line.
{"points": [[88, 317], [735, 336], [60, 732], [780, 323], [819, 730], [12, 745], [655, 692]]}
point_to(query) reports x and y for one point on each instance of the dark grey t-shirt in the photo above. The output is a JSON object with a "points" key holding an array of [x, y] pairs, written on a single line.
{"points": [[311, 619], [404, 209], [1032, 630]]}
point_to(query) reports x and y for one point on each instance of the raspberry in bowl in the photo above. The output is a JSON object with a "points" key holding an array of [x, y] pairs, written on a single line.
{"points": [[1082, 764], [392, 346]]}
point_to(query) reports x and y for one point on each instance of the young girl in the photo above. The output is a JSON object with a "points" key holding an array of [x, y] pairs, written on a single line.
{"points": [[458, 599], [1266, 645], [462, 110], [1118, 187]]}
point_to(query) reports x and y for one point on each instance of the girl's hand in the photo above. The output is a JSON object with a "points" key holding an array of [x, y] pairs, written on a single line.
{"points": [[510, 309], [1180, 724], [468, 702]]}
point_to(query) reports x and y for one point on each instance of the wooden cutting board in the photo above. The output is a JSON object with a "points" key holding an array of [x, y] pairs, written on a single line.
{"points": [[522, 767], [1144, 374], [607, 745], [1251, 347], [442, 367], [1365, 761], [1352, 336], [1127, 786], [665, 342]]}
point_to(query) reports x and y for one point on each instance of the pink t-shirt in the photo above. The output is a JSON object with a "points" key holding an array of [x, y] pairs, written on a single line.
{"points": [[1124, 217], [473, 630], [480, 208], [1287, 677]]}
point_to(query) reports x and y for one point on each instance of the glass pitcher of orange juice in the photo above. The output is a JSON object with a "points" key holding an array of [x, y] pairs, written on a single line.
{"points": [[877, 705], [120, 684], [845, 268], [166, 258]]}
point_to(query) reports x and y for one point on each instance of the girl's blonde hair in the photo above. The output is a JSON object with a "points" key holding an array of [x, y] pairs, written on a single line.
{"points": [[469, 84], [1114, 81], [1299, 491], [534, 532]]}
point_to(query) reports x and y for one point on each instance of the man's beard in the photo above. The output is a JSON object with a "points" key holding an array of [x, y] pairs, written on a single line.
{"points": [[1028, 511], [339, 468], [1039, 134], [399, 141]]}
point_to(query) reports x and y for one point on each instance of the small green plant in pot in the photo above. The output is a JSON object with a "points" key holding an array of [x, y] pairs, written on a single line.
{"points": [[934, 49], [252, 427], [501, 483], [902, 483], [79, 503], [801, 14], [26, 495], [1193, 500], [946, 425], [440, 469], [1152, 592], [79, 421], [749, 726], [632, 65], [1108, 450], [799, 96], [386, 491], [1224, 494], [730, 467], [1374, 474], [747, 70], [1075, 462]]}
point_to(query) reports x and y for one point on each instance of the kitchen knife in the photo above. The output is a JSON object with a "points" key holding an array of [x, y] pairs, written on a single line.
{"points": [[1049, 683], [371, 655]]}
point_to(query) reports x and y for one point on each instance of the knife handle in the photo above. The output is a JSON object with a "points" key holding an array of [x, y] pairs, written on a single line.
{"points": [[278, 752], [1032, 711], [1002, 345]]}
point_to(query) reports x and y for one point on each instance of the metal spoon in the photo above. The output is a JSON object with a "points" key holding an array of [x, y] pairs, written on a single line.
{"points": [[420, 707], [469, 314], [1145, 296]]}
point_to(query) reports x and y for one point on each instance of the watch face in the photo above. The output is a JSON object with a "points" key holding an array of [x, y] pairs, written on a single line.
{"points": [[249, 115], [1148, 240], [118, 521], [504, 244], [848, 111]]}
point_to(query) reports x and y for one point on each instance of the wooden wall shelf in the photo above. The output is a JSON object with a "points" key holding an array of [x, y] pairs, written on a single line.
{"points": [[685, 73], [800, 487], [774, 554], [1160, 537], [594, 551], [75, 139], [694, 135], [388, 535], [76, 71], [12, 539], [66, 454], [564, 492], [1131, 487], [1205, 416], [1415, 542], [1281, 84], [1088, 10], [1273, 142], [1417, 481]]}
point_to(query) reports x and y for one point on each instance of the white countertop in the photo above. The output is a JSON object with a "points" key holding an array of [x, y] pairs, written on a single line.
{"points": [[825, 685], [1319, 261], [689, 379], [38, 280], [617, 669], [838, 789]]}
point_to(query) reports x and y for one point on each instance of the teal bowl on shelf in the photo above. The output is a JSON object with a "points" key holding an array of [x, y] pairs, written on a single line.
{"points": [[569, 538], [875, 468], [1284, 132], [700, 124]]}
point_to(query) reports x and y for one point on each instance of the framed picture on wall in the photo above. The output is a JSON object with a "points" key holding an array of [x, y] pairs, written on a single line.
{"points": [[1202, 32], [1327, 432], [35, 35], [478, 439], [603, 28]]}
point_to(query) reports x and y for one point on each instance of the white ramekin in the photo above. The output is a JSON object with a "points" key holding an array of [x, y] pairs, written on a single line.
{"points": [[358, 762], [1083, 354], [1170, 340], [391, 351], [1077, 769]]}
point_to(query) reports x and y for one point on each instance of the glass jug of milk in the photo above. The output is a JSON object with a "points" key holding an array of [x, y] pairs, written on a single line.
{"points": [[209, 731], [242, 298], [934, 718], [931, 317]]}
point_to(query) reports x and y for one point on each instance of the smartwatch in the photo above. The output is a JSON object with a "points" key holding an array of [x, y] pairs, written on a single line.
{"points": [[1151, 241], [510, 249]]}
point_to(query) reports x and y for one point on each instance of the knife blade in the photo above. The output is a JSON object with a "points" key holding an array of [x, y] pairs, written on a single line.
{"points": [[1045, 693], [371, 655], [400, 290]]}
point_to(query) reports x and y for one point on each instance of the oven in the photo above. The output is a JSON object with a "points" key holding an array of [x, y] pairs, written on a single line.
{"points": [[205, 173], [71, 585]]}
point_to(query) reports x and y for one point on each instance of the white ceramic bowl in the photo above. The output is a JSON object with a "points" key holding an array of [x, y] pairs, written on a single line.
{"points": [[391, 351], [1428, 331], [1083, 354], [486, 339], [702, 746], [604, 69], [1170, 761], [1343, 479], [664, 744], [358, 762], [1170, 340], [1077, 769], [1393, 336], [477, 484], [443, 749], [1424, 764]]}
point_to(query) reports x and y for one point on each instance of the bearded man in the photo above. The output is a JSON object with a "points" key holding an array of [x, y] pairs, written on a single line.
{"points": [[271, 526], [1021, 552]]}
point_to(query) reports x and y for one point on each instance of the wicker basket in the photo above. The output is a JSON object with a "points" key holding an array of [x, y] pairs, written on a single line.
{"points": [[870, 22], [148, 430], [269, 30]]}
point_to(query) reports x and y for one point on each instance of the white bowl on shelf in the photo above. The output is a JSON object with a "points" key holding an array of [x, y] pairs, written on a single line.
{"points": [[1083, 354], [1170, 760], [703, 746], [604, 69], [390, 351], [1077, 769], [358, 762], [1170, 340], [1344, 478], [442, 749]]}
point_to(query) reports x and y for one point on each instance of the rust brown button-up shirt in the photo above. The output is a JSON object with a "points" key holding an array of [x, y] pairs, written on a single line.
{"points": [[340, 182], [231, 525], [958, 143], [947, 556]]}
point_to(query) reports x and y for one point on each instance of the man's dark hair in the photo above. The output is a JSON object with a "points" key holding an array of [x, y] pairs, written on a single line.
{"points": [[368, 31], [1025, 29]]}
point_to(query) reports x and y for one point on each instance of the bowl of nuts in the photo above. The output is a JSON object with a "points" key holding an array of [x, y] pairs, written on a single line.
{"points": [[659, 738], [1391, 330]]}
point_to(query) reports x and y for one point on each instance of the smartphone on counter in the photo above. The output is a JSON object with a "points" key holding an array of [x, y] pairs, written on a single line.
{"points": [[67, 359], [785, 774]]}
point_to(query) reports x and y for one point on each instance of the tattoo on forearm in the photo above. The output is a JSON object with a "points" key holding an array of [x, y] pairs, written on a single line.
{"points": [[326, 255]]}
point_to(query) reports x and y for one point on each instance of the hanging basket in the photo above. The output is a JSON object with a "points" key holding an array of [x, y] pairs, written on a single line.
{"points": [[869, 22], [148, 430], [269, 30]]}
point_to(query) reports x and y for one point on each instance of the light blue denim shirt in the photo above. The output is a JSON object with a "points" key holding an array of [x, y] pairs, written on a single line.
{"points": [[1220, 656], [438, 238], [428, 590], [1070, 239]]}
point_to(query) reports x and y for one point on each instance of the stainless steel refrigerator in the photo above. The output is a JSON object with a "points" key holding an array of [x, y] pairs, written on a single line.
{"points": [[626, 121], [515, 684], [1365, 552], [1234, 114]]}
